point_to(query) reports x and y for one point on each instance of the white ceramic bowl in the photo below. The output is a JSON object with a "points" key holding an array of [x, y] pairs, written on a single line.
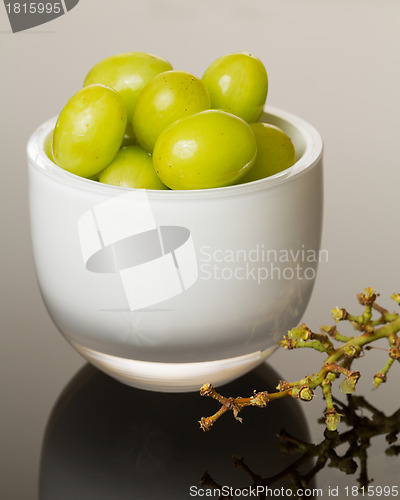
{"points": [[167, 290]]}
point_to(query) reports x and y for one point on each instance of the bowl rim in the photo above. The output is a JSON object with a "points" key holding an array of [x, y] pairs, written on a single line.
{"points": [[308, 160]]}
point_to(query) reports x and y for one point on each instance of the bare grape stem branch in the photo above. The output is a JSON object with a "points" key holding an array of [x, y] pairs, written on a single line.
{"points": [[338, 363], [346, 451]]}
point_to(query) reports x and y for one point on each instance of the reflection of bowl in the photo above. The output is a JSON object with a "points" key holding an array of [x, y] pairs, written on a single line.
{"points": [[166, 290], [105, 440]]}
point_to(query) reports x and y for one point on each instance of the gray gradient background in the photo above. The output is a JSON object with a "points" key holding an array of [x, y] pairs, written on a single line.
{"points": [[334, 63]]}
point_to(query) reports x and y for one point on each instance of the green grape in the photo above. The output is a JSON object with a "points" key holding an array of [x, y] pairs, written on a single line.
{"points": [[166, 98], [238, 83], [47, 146], [93, 177], [89, 130], [206, 150], [132, 167], [127, 74], [275, 152]]}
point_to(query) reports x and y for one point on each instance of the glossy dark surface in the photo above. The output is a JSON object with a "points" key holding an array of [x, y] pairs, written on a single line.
{"points": [[105, 440]]}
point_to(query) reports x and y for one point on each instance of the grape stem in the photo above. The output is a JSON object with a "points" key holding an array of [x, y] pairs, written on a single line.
{"points": [[336, 450], [338, 363]]}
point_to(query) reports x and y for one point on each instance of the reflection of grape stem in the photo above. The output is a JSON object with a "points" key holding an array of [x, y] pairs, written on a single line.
{"points": [[338, 362], [358, 437]]}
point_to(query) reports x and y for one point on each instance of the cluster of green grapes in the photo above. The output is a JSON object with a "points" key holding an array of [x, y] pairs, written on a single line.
{"points": [[138, 123]]}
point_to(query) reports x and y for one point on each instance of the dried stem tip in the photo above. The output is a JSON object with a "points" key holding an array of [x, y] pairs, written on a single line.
{"points": [[207, 422], [339, 314], [206, 390], [396, 297], [332, 419], [368, 297], [304, 393], [379, 378]]}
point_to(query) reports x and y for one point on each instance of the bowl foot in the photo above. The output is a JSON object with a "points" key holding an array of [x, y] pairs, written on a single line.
{"points": [[173, 377]]}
